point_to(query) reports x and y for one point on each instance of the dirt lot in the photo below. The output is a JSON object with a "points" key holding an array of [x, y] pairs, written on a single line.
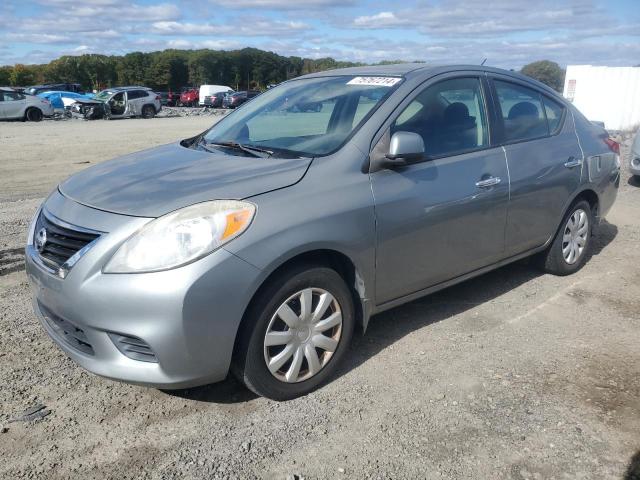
{"points": [[512, 375]]}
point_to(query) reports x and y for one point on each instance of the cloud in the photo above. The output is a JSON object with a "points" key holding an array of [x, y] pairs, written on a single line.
{"points": [[43, 38], [510, 33], [379, 20], [252, 27], [471, 18], [284, 4]]}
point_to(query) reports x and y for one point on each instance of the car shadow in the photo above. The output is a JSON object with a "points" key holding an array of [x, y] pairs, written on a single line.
{"points": [[633, 469], [390, 326]]}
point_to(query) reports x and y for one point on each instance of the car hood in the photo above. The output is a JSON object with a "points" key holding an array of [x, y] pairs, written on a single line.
{"points": [[162, 179]]}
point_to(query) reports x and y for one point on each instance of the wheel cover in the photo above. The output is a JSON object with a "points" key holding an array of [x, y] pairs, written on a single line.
{"points": [[302, 335], [575, 235]]}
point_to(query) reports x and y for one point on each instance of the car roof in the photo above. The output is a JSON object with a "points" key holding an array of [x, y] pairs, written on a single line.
{"points": [[131, 87], [426, 69], [7, 89]]}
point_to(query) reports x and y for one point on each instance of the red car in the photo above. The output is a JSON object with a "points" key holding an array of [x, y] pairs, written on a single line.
{"points": [[189, 97]]}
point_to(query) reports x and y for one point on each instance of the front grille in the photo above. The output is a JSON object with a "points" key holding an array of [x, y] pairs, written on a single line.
{"points": [[60, 243], [67, 331], [133, 347]]}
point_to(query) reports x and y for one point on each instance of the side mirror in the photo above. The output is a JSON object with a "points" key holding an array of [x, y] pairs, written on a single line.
{"points": [[405, 148]]}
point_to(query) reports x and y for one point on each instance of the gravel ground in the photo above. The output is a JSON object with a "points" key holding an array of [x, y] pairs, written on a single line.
{"points": [[512, 375]]}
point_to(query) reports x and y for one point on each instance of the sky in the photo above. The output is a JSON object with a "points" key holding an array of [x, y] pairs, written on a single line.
{"points": [[508, 33]]}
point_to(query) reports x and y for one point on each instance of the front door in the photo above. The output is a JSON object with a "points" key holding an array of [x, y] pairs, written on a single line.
{"points": [[117, 104], [444, 217], [12, 105]]}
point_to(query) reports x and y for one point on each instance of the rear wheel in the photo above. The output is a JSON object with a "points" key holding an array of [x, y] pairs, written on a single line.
{"points": [[572, 243], [295, 334], [148, 111], [33, 114]]}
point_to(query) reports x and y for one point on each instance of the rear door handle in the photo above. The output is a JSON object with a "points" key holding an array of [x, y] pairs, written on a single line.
{"points": [[572, 162], [489, 182]]}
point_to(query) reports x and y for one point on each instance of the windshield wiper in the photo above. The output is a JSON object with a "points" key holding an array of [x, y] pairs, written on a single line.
{"points": [[250, 149]]}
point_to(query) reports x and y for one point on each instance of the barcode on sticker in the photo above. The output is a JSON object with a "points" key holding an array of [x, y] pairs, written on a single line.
{"points": [[374, 81]]}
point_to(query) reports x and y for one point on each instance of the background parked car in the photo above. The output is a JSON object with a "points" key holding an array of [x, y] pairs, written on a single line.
{"points": [[236, 99], [189, 97], [216, 100], [61, 99], [16, 105], [208, 90], [169, 99], [635, 158], [66, 87], [130, 102]]}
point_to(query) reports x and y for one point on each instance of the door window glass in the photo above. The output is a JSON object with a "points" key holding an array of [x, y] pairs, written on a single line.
{"points": [[12, 96], [555, 112], [450, 116], [133, 94], [522, 112]]}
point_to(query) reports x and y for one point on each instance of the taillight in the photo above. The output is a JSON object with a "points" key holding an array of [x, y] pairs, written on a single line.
{"points": [[613, 145]]}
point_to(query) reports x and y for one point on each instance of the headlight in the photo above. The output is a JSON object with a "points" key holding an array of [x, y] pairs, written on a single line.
{"points": [[182, 236]]}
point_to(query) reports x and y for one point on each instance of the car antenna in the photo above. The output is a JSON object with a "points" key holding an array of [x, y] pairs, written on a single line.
{"points": [[483, 62]]}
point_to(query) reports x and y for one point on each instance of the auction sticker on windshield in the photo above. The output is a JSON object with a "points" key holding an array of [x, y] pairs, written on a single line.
{"points": [[374, 81]]}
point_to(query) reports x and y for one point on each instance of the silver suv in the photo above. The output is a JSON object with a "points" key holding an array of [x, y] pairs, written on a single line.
{"points": [[259, 245], [131, 102]]}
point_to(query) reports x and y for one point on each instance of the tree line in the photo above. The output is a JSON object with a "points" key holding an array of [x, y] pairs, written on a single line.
{"points": [[248, 68], [169, 69]]}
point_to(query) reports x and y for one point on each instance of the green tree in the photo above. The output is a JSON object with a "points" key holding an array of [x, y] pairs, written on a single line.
{"points": [[547, 72], [22, 75], [5, 75]]}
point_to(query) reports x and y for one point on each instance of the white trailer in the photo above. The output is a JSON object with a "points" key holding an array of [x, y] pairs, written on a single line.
{"points": [[605, 94]]}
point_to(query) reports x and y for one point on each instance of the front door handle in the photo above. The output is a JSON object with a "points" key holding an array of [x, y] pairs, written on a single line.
{"points": [[573, 162], [488, 182]]}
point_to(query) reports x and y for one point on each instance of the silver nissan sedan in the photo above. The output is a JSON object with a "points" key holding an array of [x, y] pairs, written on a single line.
{"points": [[258, 246]]}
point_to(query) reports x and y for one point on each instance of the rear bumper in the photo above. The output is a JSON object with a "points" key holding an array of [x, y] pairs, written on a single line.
{"points": [[188, 316]]}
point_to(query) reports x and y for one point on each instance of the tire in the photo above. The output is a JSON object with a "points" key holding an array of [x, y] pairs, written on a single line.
{"points": [[33, 114], [557, 259], [251, 354], [148, 111]]}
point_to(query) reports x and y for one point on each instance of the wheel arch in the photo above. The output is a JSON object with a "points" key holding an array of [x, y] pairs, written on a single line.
{"points": [[155, 110], [29, 108], [325, 257], [587, 193]]}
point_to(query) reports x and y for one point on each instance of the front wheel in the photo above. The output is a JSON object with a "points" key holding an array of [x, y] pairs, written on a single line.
{"points": [[295, 333], [571, 246]]}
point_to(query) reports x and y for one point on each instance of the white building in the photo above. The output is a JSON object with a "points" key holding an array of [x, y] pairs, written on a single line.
{"points": [[606, 94]]}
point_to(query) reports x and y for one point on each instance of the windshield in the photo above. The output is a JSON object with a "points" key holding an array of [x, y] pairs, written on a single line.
{"points": [[309, 117], [104, 94]]}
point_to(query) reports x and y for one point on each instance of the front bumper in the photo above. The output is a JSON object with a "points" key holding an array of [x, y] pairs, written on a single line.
{"points": [[188, 316]]}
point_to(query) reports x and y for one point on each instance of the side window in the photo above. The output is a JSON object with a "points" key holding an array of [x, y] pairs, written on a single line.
{"points": [[12, 96], [450, 116], [522, 112], [133, 94], [555, 113]]}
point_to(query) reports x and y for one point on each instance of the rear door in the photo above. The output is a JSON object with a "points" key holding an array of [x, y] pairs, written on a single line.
{"points": [[443, 217], [135, 100], [544, 157]]}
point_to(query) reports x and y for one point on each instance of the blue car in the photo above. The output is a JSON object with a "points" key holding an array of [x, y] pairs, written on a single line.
{"points": [[55, 97]]}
